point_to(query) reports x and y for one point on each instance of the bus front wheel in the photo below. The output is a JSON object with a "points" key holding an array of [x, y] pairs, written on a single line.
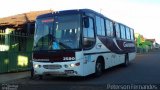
{"points": [[32, 73], [98, 68]]}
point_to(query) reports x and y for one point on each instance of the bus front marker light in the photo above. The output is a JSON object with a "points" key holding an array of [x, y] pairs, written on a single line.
{"points": [[77, 64]]}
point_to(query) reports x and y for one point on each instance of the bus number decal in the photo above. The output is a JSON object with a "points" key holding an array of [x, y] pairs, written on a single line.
{"points": [[68, 58]]}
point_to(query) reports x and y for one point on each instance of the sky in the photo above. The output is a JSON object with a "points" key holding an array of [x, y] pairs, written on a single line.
{"points": [[141, 15]]}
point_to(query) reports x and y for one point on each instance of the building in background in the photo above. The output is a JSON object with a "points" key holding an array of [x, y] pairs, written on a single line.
{"points": [[144, 44], [16, 41]]}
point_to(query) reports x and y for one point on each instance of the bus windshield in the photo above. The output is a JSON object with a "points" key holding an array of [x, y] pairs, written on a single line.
{"points": [[58, 32]]}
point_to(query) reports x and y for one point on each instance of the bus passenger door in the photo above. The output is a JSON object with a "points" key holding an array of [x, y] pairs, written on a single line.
{"points": [[88, 64], [88, 41]]}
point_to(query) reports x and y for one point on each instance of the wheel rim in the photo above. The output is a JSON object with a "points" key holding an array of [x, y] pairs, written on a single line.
{"points": [[99, 67], [32, 73], [127, 61]]}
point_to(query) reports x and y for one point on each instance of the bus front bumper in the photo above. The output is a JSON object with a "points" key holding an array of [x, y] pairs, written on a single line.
{"points": [[58, 69]]}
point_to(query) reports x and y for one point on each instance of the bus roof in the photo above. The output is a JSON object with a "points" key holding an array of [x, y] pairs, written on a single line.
{"points": [[74, 11]]}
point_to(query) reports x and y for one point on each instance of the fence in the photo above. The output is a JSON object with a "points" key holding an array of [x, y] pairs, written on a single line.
{"points": [[15, 51], [14, 61]]}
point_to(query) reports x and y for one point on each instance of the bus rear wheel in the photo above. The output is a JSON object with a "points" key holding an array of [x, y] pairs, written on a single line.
{"points": [[126, 62]]}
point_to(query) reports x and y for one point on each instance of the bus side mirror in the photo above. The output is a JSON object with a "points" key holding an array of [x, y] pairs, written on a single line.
{"points": [[86, 22]]}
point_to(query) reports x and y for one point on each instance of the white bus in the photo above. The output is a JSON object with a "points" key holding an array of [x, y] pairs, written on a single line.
{"points": [[79, 43]]}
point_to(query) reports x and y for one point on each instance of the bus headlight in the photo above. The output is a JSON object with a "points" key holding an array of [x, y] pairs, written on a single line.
{"points": [[75, 64], [37, 66], [72, 65]]}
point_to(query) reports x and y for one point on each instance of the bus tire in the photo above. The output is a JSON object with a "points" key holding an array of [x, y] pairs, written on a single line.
{"points": [[40, 77], [98, 68], [32, 73], [126, 62]]}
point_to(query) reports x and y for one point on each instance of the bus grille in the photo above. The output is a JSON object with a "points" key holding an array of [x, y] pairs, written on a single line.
{"points": [[52, 66]]}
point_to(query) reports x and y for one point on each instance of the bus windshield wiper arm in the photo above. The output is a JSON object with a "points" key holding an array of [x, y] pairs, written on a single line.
{"points": [[65, 46]]}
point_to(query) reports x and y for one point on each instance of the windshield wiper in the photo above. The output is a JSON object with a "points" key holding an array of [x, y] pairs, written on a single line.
{"points": [[65, 46]]}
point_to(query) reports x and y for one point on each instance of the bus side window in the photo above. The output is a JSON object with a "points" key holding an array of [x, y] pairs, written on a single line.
{"points": [[128, 33], [123, 33], [109, 28], [117, 30], [100, 26], [132, 34], [88, 33]]}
